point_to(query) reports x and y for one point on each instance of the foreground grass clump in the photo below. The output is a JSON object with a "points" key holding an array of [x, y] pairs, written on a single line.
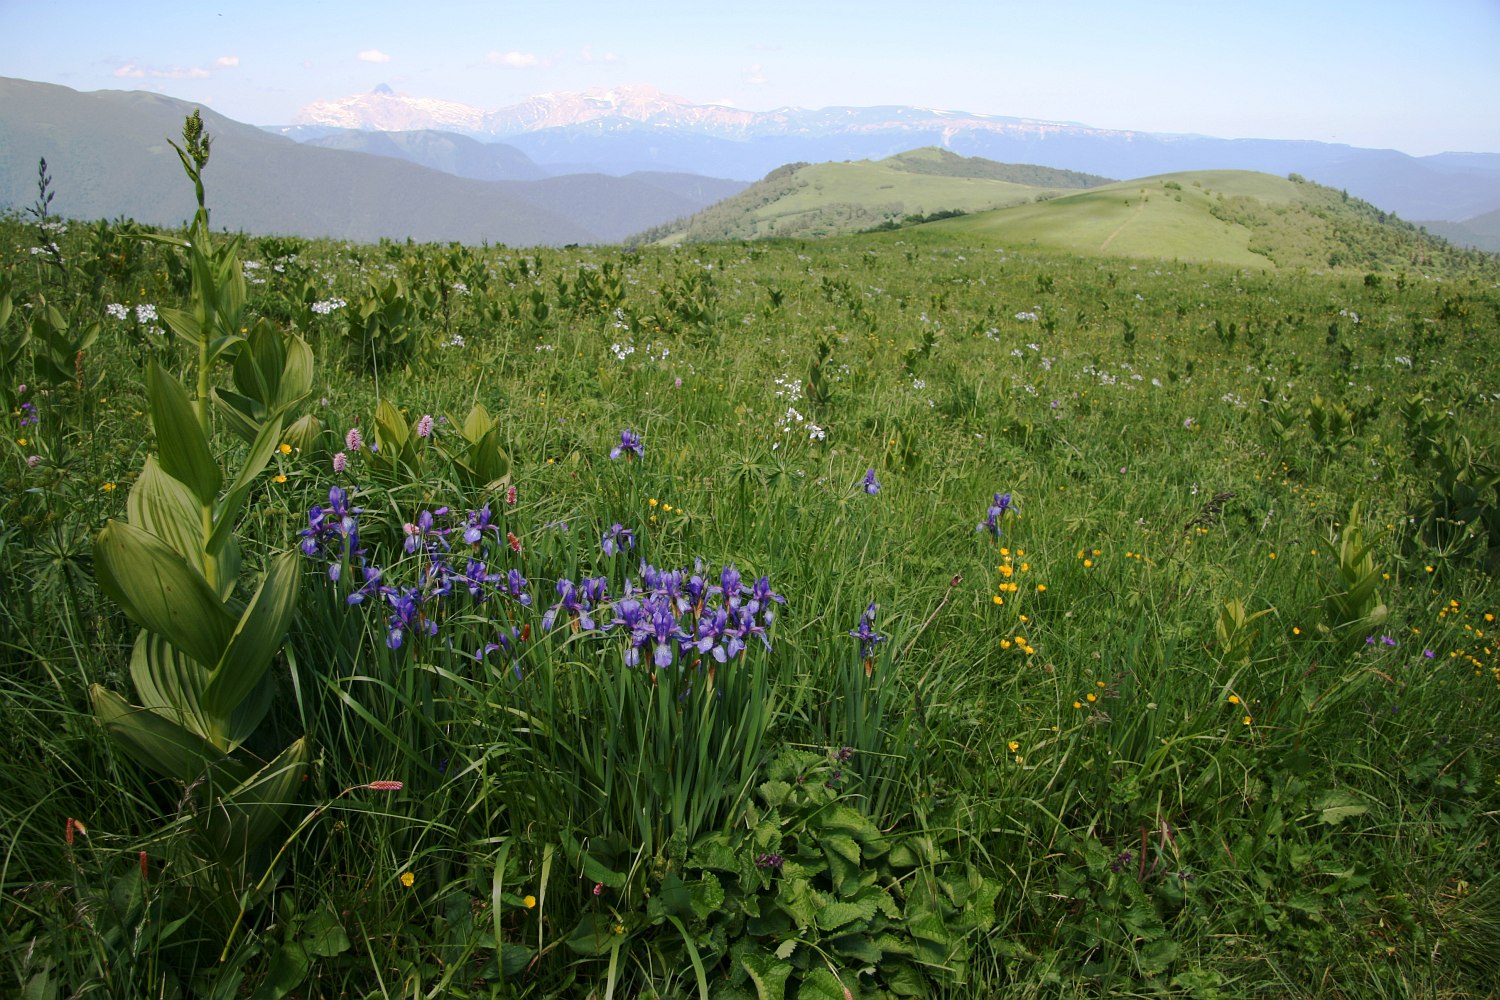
{"points": [[766, 621]]}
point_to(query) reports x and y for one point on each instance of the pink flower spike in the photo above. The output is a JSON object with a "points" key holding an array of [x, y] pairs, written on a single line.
{"points": [[385, 786]]}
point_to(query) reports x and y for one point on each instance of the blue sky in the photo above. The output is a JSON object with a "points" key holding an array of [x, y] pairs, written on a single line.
{"points": [[1421, 76]]}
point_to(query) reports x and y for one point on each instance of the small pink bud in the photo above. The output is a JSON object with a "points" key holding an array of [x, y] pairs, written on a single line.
{"points": [[385, 786]]}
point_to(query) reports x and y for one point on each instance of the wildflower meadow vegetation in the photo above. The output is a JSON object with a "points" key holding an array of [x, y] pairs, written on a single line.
{"points": [[884, 616]]}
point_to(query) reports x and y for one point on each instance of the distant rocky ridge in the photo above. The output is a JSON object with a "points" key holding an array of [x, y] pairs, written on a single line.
{"points": [[639, 128]]}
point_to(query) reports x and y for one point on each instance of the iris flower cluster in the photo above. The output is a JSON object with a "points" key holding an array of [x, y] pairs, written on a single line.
{"points": [[669, 615], [672, 613], [443, 569]]}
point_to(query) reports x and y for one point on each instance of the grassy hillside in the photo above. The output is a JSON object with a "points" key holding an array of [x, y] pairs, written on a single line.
{"points": [[1230, 216], [1481, 232], [801, 199]]}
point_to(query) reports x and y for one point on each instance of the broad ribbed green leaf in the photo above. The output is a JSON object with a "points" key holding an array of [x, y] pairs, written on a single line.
{"points": [[184, 450], [257, 367], [478, 423], [183, 323], [259, 635], [305, 435], [391, 429], [153, 741], [489, 461], [256, 461], [249, 713], [296, 374], [171, 685], [241, 414], [167, 509], [237, 821], [157, 588]]}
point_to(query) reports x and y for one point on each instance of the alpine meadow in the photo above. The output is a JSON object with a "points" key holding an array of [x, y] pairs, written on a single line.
{"points": [[907, 579]]}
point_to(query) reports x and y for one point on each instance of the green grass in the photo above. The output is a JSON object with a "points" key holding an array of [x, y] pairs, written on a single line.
{"points": [[1138, 744], [811, 200], [1141, 218]]}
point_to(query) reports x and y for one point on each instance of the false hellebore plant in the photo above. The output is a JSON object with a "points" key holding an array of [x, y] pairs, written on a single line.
{"points": [[200, 662]]}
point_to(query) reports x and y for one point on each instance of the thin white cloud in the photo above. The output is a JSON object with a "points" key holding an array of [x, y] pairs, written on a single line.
{"points": [[755, 75], [134, 72], [227, 61], [587, 55], [374, 55], [515, 60]]}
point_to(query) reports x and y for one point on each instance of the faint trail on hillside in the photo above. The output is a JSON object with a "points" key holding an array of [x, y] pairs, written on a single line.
{"points": [[1111, 237]]}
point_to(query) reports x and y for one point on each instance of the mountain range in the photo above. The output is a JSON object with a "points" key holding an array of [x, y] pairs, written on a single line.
{"points": [[108, 155], [639, 128], [605, 166]]}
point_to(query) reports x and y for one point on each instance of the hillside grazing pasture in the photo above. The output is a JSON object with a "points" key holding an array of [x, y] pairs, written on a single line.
{"points": [[894, 615], [806, 200], [1236, 217]]}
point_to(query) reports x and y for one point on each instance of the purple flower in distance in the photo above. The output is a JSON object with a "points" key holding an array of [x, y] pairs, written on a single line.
{"points": [[997, 510], [617, 539], [629, 446], [872, 487]]}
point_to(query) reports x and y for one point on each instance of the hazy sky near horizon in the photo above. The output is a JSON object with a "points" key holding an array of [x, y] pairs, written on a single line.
{"points": [[1421, 77]]}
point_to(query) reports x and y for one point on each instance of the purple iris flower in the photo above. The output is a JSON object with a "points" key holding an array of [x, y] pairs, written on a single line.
{"points": [[477, 580], [997, 510], [665, 632], [424, 534], [742, 626], [871, 486], [761, 597], [629, 446], [712, 630], [696, 589], [731, 585], [866, 634], [515, 586], [333, 531], [617, 539], [479, 522], [572, 603], [633, 616], [406, 614]]}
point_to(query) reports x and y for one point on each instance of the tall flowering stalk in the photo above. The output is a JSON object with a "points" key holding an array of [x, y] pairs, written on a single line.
{"points": [[200, 663]]}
